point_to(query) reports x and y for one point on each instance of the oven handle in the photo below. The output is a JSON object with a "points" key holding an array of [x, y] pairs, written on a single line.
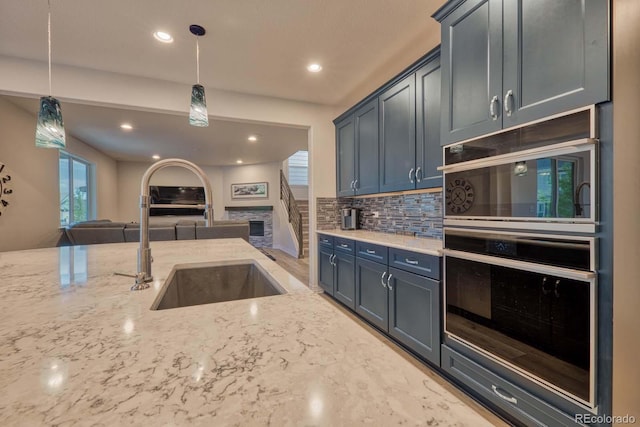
{"points": [[567, 147], [567, 273]]}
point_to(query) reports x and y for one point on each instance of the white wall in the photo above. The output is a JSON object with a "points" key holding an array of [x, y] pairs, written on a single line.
{"points": [[32, 219], [29, 78]]}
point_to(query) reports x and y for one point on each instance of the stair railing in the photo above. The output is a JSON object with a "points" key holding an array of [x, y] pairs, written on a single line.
{"points": [[295, 217]]}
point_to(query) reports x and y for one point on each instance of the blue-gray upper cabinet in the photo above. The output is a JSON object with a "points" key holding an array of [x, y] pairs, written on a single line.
{"points": [[512, 62], [345, 156], [398, 135], [357, 151], [428, 151]]}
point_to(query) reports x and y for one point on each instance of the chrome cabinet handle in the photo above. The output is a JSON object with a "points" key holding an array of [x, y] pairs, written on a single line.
{"points": [[369, 251], [352, 182], [411, 261], [410, 178], [507, 96], [492, 108], [419, 174], [332, 259], [382, 280], [342, 245], [388, 280], [355, 184], [509, 399]]}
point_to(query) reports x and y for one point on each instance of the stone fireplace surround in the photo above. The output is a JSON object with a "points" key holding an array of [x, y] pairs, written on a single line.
{"points": [[254, 213]]}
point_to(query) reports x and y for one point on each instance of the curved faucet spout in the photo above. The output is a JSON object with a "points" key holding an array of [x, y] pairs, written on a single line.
{"points": [[143, 277]]}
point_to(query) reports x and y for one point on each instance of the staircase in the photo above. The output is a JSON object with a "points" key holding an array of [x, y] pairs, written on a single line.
{"points": [[293, 212], [303, 207]]}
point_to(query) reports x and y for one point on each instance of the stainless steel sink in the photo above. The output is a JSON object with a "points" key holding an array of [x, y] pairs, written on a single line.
{"points": [[206, 283]]}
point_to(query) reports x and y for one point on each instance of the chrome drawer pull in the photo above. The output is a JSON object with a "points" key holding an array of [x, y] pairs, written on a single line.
{"points": [[509, 399], [411, 261], [342, 245], [382, 279], [369, 251]]}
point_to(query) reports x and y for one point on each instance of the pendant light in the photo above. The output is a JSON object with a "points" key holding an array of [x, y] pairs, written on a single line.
{"points": [[198, 112], [50, 127]]}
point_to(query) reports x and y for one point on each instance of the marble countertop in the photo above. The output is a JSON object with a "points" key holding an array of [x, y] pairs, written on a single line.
{"points": [[416, 244], [77, 347]]}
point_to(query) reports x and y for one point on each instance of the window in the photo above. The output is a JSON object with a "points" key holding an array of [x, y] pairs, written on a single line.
{"points": [[75, 189], [299, 168]]}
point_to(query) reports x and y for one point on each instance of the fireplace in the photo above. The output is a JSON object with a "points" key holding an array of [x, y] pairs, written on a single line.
{"points": [[256, 228]]}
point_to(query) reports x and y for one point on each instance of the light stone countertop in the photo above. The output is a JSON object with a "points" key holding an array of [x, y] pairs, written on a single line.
{"points": [[77, 348], [416, 244]]}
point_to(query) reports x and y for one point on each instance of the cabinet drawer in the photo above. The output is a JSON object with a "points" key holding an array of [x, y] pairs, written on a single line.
{"points": [[344, 245], [372, 252], [325, 240], [423, 264], [510, 398]]}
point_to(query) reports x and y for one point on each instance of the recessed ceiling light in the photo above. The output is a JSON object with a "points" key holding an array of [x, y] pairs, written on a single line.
{"points": [[253, 138], [126, 126], [155, 157], [163, 37], [314, 68], [238, 161]]}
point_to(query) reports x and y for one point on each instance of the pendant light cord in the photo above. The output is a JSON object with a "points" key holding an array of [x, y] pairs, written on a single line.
{"points": [[49, 37], [197, 61]]}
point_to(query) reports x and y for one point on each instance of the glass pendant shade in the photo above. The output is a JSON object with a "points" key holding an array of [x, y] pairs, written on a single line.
{"points": [[50, 128], [198, 113]]}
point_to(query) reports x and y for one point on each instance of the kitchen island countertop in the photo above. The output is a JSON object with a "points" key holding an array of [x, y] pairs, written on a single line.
{"points": [[77, 347]]}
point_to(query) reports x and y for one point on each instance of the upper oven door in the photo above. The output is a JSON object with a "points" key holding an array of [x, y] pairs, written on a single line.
{"points": [[546, 185]]}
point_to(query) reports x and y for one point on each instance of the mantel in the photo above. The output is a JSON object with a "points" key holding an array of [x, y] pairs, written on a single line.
{"points": [[248, 208]]}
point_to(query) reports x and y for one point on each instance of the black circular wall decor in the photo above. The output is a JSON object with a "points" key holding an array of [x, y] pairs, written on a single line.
{"points": [[459, 195], [5, 187]]}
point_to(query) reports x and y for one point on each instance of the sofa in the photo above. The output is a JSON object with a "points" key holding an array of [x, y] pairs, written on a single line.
{"points": [[107, 231]]}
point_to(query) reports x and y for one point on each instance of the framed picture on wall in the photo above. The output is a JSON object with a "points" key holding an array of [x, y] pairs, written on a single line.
{"points": [[253, 190]]}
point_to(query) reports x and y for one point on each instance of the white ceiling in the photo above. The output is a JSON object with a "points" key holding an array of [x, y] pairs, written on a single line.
{"points": [[259, 47], [223, 142]]}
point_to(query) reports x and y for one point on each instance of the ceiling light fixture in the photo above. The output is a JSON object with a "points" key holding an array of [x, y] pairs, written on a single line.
{"points": [[314, 68], [50, 127], [253, 138], [155, 157], [198, 115], [126, 126], [163, 37], [239, 161]]}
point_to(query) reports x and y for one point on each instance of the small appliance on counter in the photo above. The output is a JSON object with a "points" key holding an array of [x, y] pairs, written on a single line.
{"points": [[349, 219]]}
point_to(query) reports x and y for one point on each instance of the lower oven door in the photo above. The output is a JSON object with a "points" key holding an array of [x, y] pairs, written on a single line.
{"points": [[535, 319]]}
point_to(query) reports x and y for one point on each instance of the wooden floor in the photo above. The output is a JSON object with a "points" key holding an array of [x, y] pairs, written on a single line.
{"points": [[298, 267]]}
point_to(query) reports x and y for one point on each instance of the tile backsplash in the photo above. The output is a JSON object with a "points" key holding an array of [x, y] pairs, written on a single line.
{"points": [[406, 213]]}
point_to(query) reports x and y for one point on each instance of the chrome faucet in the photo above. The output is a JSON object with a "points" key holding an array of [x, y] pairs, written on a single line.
{"points": [[576, 199], [143, 277]]}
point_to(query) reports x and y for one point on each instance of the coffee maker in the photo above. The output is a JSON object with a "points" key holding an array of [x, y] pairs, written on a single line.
{"points": [[349, 218]]}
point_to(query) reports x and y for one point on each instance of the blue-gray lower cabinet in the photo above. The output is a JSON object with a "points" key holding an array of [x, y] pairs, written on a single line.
{"points": [[371, 292], [515, 401], [325, 268], [414, 313], [344, 289]]}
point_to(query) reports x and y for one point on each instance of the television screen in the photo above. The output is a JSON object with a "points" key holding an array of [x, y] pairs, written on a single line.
{"points": [[167, 195]]}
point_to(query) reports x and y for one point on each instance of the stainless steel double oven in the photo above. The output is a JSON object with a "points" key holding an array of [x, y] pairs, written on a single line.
{"points": [[520, 271]]}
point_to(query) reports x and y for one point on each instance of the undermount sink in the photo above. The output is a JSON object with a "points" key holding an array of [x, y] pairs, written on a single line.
{"points": [[206, 283]]}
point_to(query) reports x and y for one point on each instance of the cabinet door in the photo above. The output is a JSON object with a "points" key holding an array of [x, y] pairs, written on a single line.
{"points": [[471, 56], [428, 149], [345, 280], [325, 269], [556, 57], [366, 123], [371, 294], [345, 156], [398, 135], [414, 313]]}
